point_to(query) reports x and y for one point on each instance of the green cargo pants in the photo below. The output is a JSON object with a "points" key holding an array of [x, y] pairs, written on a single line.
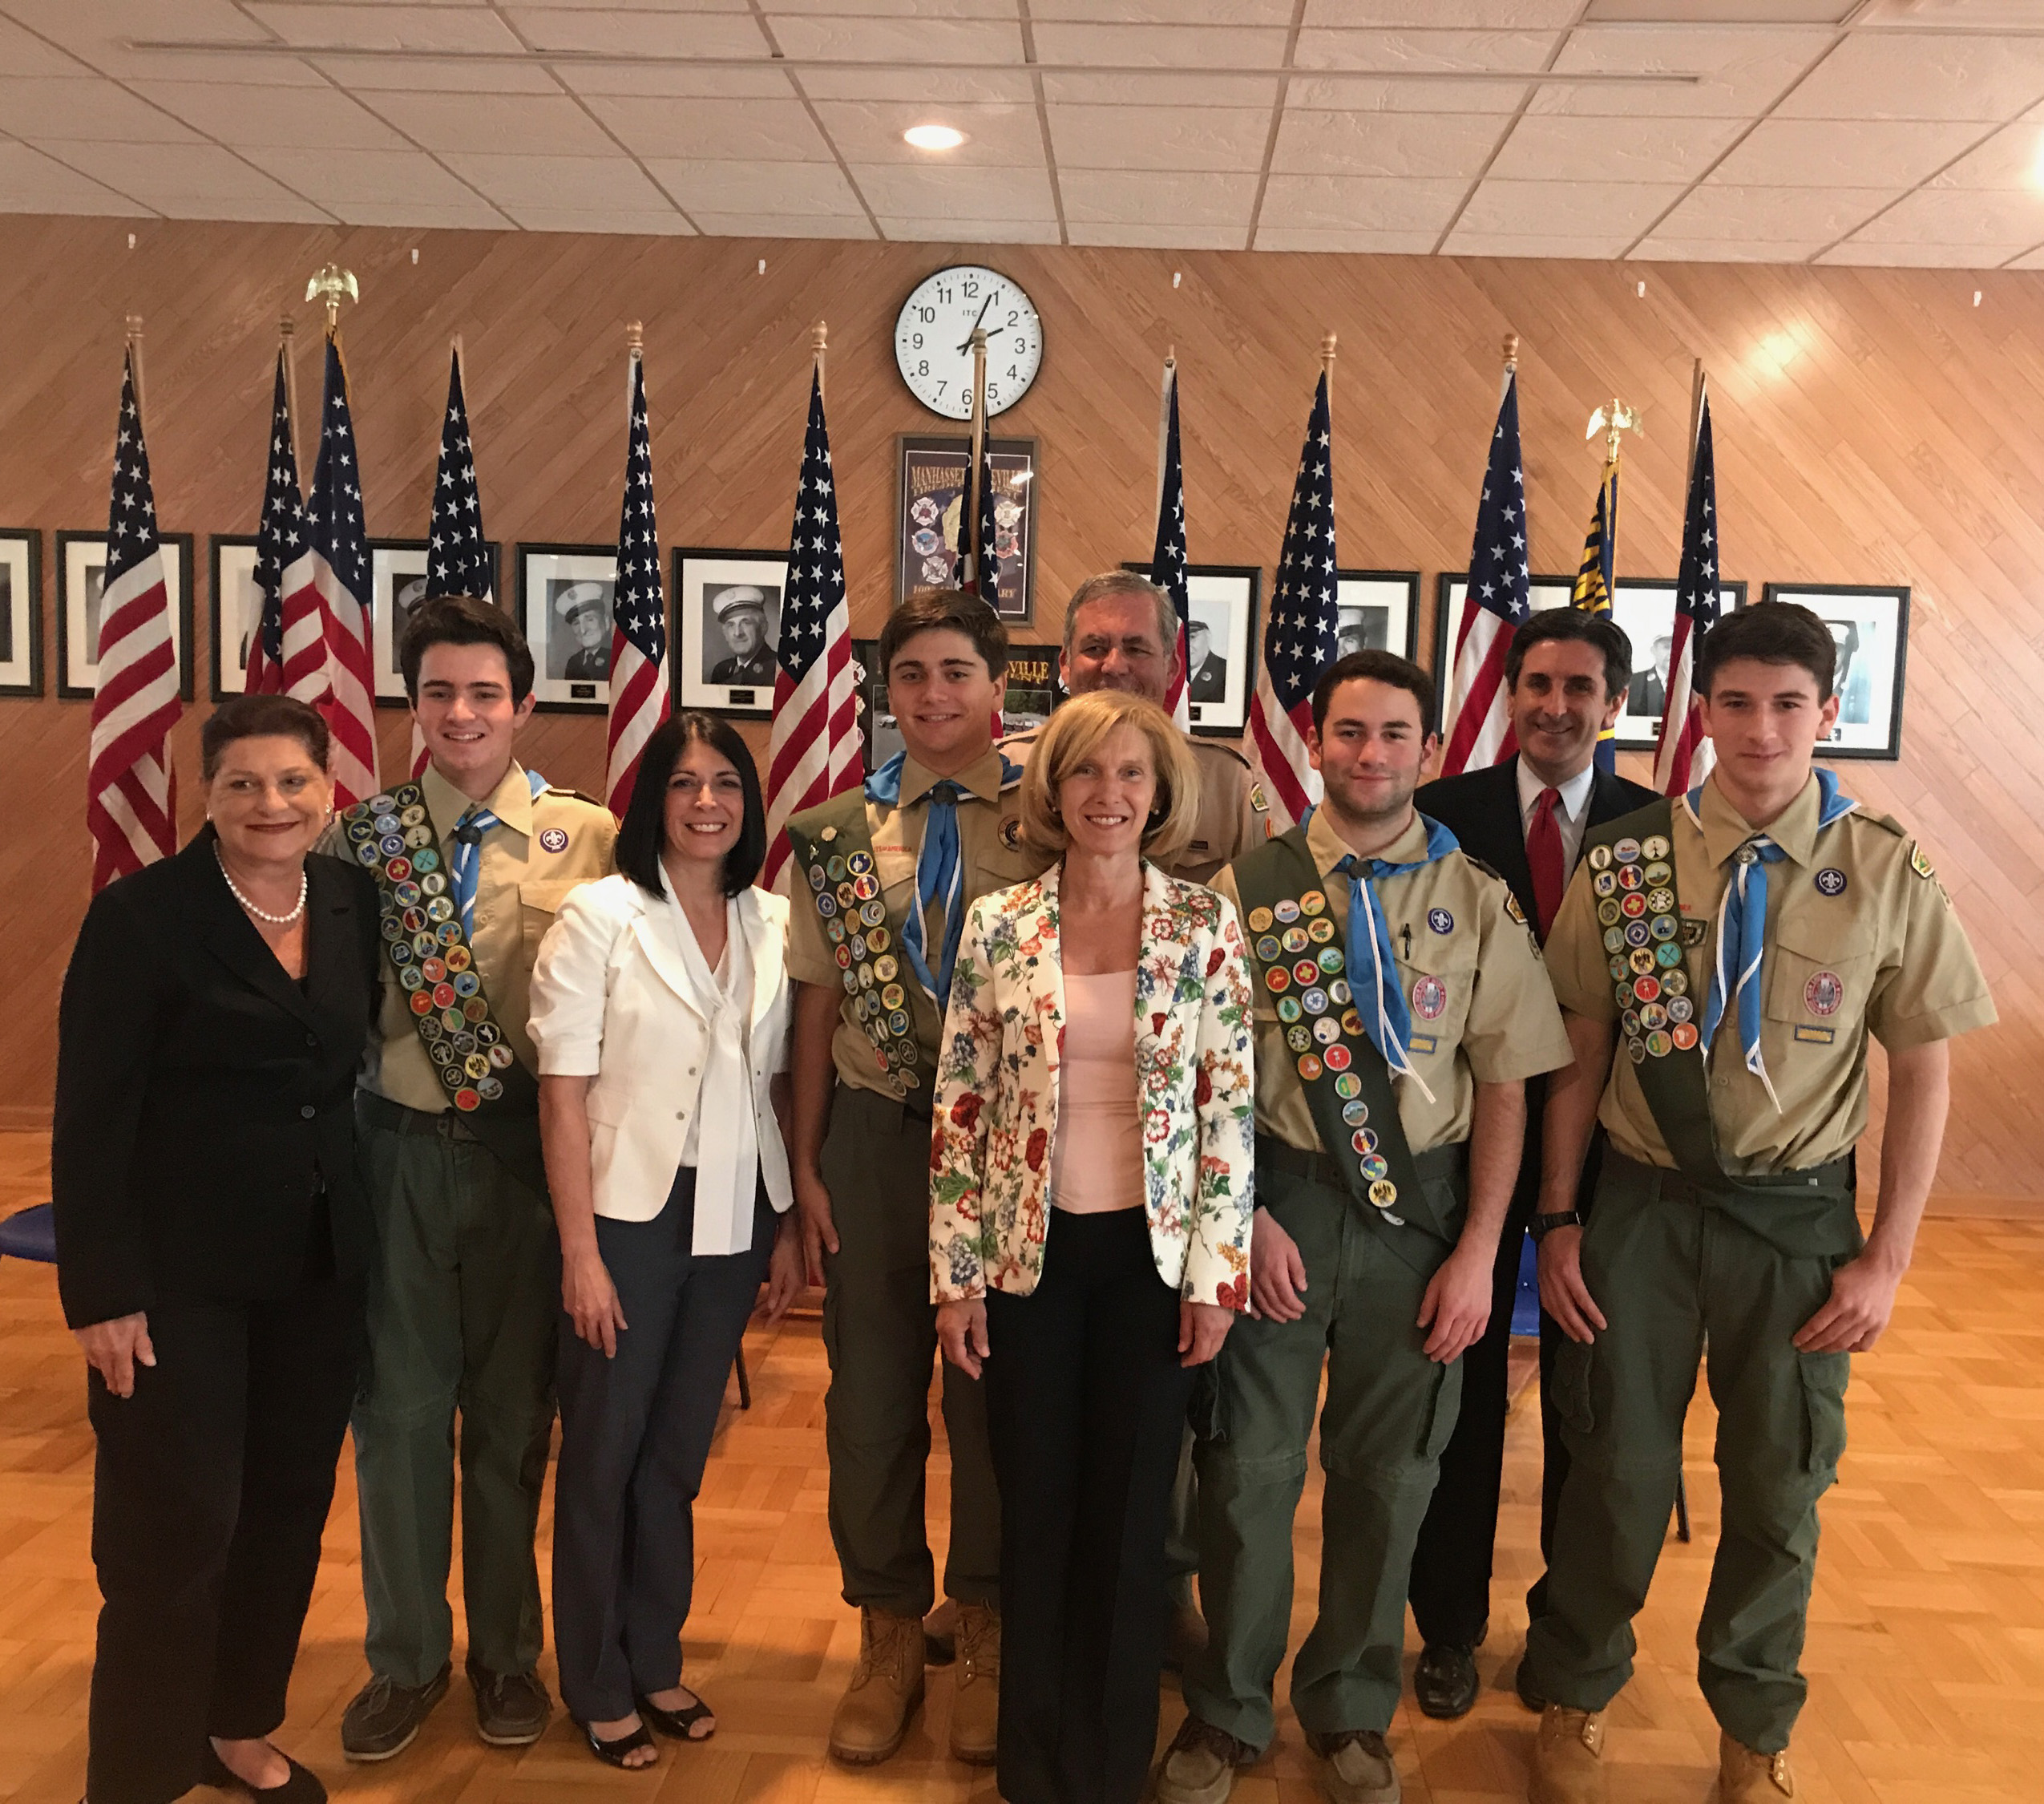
{"points": [[1675, 1278], [463, 1301], [880, 1332], [1389, 1411]]}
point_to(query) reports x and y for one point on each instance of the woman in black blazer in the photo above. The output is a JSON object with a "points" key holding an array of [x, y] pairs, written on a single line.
{"points": [[212, 1231]]}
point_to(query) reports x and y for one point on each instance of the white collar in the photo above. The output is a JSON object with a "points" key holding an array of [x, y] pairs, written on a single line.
{"points": [[1574, 793]]}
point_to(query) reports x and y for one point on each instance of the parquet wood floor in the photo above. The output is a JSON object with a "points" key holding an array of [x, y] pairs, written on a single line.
{"points": [[1926, 1651]]}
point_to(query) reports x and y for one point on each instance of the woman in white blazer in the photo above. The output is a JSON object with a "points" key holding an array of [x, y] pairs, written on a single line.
{"points": [[660, 1010]]}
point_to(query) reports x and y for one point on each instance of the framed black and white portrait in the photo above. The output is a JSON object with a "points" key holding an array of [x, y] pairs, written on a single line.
{"points": [[1379, 610], [932, 485], [80, 586], [1645, 610], [396, 583], [727, 629], [565, 594], [1220, 647], [1450, 587], [1870, 627], [21, 614], [234, 608]]}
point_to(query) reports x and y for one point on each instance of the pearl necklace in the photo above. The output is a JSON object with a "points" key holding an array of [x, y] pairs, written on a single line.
{"points": [[261, 914]]}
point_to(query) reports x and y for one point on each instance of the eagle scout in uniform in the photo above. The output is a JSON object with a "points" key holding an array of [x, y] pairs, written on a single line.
{"points": [[470, 862], [1400, 1006], [882, 879], [1735, 947]]}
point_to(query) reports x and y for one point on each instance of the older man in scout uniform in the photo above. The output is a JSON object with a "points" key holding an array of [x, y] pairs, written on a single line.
{"points": [[741, 615], [471, 862], [1400, 1007], [581, 608], [888, 873], [1743, 941]]}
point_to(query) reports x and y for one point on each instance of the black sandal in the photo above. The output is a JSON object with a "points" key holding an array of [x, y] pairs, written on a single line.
{"points": [[300, 1786], [676, 1724], [612, 1754]]}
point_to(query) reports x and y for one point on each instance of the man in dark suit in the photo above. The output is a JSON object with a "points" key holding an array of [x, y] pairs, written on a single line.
{"points": [[1568, 672]]}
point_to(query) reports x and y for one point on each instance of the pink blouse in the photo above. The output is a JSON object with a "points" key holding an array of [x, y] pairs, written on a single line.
{"points": [[1097, 1163]]}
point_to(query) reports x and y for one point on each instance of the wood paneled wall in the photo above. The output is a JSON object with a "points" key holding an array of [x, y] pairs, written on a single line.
{"points": [[1871, 426]]}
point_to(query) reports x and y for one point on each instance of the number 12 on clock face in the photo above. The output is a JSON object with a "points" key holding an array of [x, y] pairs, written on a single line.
{"points": [[933, 340]]}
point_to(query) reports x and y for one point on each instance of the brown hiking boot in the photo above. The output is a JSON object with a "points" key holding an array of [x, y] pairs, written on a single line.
{"points": [[975, 1691], [1746, 1776], [1568, 1763], [885, 1692], [1199, 1766]]}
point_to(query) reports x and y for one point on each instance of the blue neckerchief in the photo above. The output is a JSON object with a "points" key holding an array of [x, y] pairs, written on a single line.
{"points": [[1388, 1024], [1742, 931], [467, 864]]}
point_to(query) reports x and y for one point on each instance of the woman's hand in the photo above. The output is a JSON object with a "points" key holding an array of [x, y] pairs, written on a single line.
{"points": [[591, 1300], [962, 1332], [785, 1272], [114, 1349], [1201, 1328]]}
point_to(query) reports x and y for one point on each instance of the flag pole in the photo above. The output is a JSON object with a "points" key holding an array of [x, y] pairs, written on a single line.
{"points": [[287, 329], [635, 350], [1164, 419], [134, 350], [1328, 370], [818, 339], [978, 446], [1511, 365], [1695, 425]]}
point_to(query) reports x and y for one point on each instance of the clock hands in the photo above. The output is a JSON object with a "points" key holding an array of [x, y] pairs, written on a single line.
{"points": [[983, 305]]}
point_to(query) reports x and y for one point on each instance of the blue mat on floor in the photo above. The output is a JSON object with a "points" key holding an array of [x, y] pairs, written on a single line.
{"points": [[30, 1234]]}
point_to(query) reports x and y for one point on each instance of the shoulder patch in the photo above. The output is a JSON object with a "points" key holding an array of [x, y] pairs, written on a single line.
{"points": [[1257, 800], [1919, 863]]}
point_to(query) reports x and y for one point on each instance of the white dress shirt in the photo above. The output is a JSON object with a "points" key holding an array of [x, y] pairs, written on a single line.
{"points": [[1571, 813], [726, 1170]]}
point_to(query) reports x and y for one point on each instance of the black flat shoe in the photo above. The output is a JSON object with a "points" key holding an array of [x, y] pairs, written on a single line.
{"points": [[301, 1787], [1444, 1682], [675, 1724], [612, 1754]]}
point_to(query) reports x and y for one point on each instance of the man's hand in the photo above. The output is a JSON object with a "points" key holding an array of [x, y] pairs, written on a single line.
{"points": [[819, 1231], [962, 1332], [591, 1300], [114, 1349], [1563, 1294], [785, 1271], [1456, 1306], [1856, 1314], [1277, 1274], [1201, 1328]]}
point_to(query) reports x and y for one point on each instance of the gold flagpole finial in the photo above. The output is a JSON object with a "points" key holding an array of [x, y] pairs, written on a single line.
{"points": [[635, 336], [819, 342], [1327, 357], [330, 285], [1511, 350], [1612, 418]]}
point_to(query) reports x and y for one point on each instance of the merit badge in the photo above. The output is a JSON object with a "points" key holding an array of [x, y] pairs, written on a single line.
{"points": [[1268, 950], [398, 870], [859, 863], [1383, 1194], [1326, 1030], [1604, 883], [1636, 933], [1314, 1001], [1667, 955], [1614, 939], [817, 879], [1287, 911], [1299, 1039], [1600, 858], [1636, 1051], [1440, 920], [1429, 997], [1374, 1165], [1655, 845], [1632, 905], [1288, 1009], [1822, 993], [1641, 960], [1313, 902], [1658, 1045], [1307, 971], [1259, 920], [1680, 1008], [1353, 1114], [1294, 940], [1321, 932], [1652, 1016], [1831, 880], [1337, 1057], [554, 839], [1631, 877], [1349, 1087], [1630, 1021], [1627, 851], [1309, 1068], [1647, 990], [1683, 1034], [1330, 960], [1659, 871], [1351, 1024], [1338, 993], [885, 968], [1279, 978], [1618, 970]]}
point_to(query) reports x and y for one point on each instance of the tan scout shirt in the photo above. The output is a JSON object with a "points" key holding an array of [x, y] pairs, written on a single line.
{"points": [[1233, 814], [988, 822], [1498, 1021], [1897, 964], [523, 881]]}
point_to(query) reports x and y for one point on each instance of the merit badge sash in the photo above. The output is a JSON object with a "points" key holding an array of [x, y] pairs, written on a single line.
{"points": [[1296, 950], [835, 853], [1632, 874]]}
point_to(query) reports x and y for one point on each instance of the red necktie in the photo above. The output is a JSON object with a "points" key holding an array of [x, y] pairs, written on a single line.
{"points": [[1544, 854]]}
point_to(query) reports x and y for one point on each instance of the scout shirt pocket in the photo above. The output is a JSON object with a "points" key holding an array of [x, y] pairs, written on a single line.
{"points": [[539, 901], [1819, 978], [1438, 973]]}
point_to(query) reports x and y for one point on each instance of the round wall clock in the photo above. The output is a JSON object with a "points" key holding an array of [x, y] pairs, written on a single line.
{"points": [[933, 340]]}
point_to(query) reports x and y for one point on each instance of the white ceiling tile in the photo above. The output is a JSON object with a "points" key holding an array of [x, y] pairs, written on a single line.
{"points": [[765, 130], [949, 229], [647, 221], [1600, 211], [1663, 249], [475, 215], [1356, 244], [1744, 68], [101, 33], [535, 124], [675, 81], [1376, 143], [1436, 14], [639, 5], [1425, 53], [2013, 158], [639, 34], [257, 206], [900, 193], [1918, 75], [896, 8], [1924, 256], [1174, 137], [782, 189], [871, 131], [992, 87], [1155, 12], [1360, 203], [434, 74], [782, 225], [597, 182], [1959, 14], [1805, 152], [184, 172], [455, 28], [1573, 247], [1102, 196], [1773, 215], [1793, 12], [909, 41], [1946, 216], [1138, 235], [236, 113], [346, 180], [47, 108], [1161, 46], [1553, 148], [2030, 260], [1177, 88], [32, 183]]}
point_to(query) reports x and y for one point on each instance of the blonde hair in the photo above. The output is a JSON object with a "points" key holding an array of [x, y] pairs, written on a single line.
{"points": [[1074, 732]]}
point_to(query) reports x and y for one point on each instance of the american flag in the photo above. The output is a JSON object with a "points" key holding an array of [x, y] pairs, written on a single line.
{"points": [[1497, 604], [280, 543], [1167, 563], [978, 567], [1683, 758], [457, 554], [339, 570], [815, 751], [1592, 593], [1299, 641], [130, 803], [638, 644]]}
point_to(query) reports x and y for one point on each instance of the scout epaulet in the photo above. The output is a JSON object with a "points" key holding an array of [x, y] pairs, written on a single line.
{"points": [[1222, 748], [1512, 908], [570, 795]]}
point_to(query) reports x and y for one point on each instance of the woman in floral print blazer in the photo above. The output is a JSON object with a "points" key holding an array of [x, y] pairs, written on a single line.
{"points": [[1091, 1193]]}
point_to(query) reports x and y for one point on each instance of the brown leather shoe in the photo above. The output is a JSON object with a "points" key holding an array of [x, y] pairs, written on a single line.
{"points": [[975, 1691], [1746, 1776], [885, 1692], [1356, 1768], [1568, 1763], [1200, 1765]]}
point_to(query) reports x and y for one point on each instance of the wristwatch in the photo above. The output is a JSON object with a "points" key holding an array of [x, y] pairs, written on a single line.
{"points": [[1544, 1224]]}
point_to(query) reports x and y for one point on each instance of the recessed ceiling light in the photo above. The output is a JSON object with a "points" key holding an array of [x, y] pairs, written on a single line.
{"points": [[934, 137]]}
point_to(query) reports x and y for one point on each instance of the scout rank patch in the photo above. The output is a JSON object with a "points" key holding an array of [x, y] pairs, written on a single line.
{"points": [[1634, 884], [391, 836], [847, 895]]}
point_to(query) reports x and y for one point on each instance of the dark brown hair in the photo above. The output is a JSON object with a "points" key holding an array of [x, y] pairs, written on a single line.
{"points": [[642, 835], [955, 610], [1578, 626], [462, 620], [261, 717], [1376, 667], [1775, 633]]}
